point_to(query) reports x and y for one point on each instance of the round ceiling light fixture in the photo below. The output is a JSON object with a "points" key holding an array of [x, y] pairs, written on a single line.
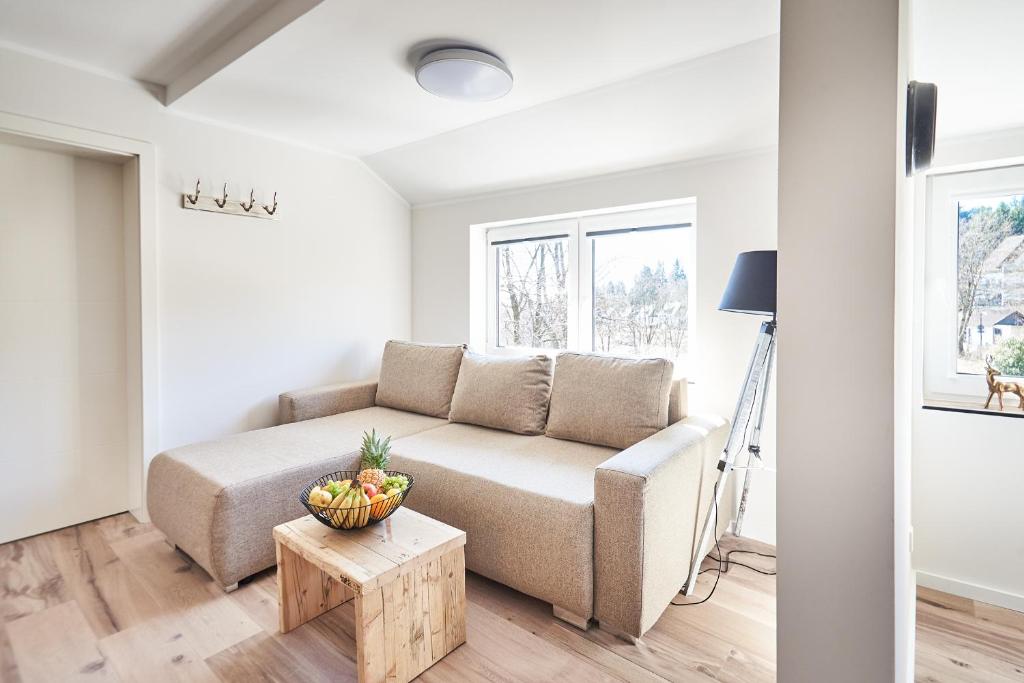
{"points": [[463, 74]]}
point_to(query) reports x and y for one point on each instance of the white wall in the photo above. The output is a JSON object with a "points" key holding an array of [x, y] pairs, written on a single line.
{"points": [[736, 211], [248, 308], [838, 119], [967, 471], [62, 340]]}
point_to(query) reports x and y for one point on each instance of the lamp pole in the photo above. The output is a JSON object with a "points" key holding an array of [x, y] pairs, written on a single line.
{"points": [[751, 404], [751, 289]]}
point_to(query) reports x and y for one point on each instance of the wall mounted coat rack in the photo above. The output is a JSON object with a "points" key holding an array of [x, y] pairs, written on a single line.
{"points": [[223, 204]]}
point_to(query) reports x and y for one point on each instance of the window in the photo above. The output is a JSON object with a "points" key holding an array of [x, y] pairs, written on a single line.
{"points": [[974, 279], [618, 283]]}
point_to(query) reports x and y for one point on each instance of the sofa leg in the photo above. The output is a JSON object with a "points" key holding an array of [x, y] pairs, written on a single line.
{"points": [[232, 588], [621, 635], [570, 617]]}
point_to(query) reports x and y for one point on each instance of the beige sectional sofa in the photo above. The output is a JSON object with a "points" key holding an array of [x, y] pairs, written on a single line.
{"points": [[582, 485]]}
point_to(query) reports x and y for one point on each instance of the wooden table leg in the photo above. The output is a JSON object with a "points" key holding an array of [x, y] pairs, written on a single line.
{"points": [[303, 591], [371, 656], [406, 626]]}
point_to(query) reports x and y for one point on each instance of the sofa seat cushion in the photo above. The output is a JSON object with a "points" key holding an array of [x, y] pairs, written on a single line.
{"points": [[219, 500], [525, 503]]}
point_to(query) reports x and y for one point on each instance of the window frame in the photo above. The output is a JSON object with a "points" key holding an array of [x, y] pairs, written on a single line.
{"points": [[944, 192], [580, 277]]}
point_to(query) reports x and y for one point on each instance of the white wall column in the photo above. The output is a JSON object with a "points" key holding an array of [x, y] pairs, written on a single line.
{"points": [[839, 85]]}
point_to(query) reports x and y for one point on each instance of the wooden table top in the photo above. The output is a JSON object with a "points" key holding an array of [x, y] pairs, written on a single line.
{"points": [[367, 558]]}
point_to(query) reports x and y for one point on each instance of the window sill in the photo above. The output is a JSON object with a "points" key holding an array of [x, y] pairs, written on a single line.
{"points": [[976, 407]]}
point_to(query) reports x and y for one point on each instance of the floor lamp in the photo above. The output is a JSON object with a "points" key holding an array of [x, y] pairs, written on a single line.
{"points": [[751, 289]]}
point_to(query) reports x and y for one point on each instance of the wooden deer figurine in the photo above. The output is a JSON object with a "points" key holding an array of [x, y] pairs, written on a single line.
{"points": [[997, 388]]}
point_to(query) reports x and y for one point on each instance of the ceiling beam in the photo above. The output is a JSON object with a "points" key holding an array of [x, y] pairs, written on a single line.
{"points": [[221, 54]]}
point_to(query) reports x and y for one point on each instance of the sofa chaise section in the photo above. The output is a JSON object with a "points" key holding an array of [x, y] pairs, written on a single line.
{"points": [[219, 500]]}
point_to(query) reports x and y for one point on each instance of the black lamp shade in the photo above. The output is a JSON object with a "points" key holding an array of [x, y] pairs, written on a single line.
{"points": [[751, 287]]}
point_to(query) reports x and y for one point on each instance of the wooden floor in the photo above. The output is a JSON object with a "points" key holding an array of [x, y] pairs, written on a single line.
{"points": [[109, 600]]}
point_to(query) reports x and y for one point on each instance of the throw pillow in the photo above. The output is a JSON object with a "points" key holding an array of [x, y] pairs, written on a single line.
{"points": [[608, 401], [503, 392], [419, 378]]}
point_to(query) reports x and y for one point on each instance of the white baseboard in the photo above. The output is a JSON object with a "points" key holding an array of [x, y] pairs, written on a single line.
{"points": [[972, 591]]}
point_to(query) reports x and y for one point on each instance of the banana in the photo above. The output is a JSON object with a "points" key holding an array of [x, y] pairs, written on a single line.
{"points": [[350, 514], [336, 505]]}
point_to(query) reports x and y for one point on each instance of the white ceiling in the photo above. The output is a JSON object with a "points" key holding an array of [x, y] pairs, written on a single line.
{"points": [[600, 85], [339, 76], [973, 51]]}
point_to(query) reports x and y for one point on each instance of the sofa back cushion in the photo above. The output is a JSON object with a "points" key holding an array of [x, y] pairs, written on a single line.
{"points": [[419, 378], [607, 400], [503, 392]]}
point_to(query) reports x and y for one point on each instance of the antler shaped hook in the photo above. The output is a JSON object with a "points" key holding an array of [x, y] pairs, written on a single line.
{"points": [[271, 210], [223, 200], [192, 199], [252, 201]]}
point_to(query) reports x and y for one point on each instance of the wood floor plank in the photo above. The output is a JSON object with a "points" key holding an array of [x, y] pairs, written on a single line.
{"points": [[209, 619], [535, 616], [155, 651], [994, 640], [520, 655], [57, 644], [8, 665], [108, 593], [29, 579], [117, 527], [262, 658], [1008, 618]]}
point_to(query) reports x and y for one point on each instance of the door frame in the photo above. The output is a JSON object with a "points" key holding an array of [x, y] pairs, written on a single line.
{"points": [[142, 301]]}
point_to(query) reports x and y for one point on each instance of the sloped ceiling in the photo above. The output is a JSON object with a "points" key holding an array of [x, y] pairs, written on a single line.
{"points": [[719, 104]]}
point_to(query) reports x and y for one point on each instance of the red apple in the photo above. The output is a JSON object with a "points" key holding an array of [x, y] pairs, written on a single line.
{"points": [[370, 489]]}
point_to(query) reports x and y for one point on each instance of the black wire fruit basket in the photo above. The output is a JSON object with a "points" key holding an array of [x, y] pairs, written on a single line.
{"points": [[336, 516]]}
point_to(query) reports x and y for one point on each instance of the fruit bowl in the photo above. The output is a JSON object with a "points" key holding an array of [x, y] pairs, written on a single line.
{"points": [[355, 516]]}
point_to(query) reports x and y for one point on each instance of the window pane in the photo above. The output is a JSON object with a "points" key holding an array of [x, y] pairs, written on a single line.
{"points": [[990, 284], [641, 293], [533, 301]]}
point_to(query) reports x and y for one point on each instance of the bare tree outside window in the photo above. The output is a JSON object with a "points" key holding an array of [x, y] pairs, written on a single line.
{"points": [[990, 284], [533, 301], [641, 294]]}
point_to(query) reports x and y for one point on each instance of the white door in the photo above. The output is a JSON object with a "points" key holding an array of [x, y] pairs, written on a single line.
{"points": [[63, 417]]}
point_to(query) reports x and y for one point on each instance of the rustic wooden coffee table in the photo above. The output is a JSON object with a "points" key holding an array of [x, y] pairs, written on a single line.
{"points": [[407, 575]]}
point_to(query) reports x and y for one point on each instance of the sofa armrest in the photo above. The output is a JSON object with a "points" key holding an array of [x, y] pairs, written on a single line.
{"points": [[646, 508], [306, 404]]}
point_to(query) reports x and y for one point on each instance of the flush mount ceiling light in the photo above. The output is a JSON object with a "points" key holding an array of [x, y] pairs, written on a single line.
{"points": [[463, 74]]}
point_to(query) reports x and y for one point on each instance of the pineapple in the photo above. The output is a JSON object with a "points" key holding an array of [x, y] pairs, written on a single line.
{"points": [[375, 458]]}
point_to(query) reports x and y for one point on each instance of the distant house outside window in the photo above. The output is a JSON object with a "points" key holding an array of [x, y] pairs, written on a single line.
{"points": [[990, 281]]}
